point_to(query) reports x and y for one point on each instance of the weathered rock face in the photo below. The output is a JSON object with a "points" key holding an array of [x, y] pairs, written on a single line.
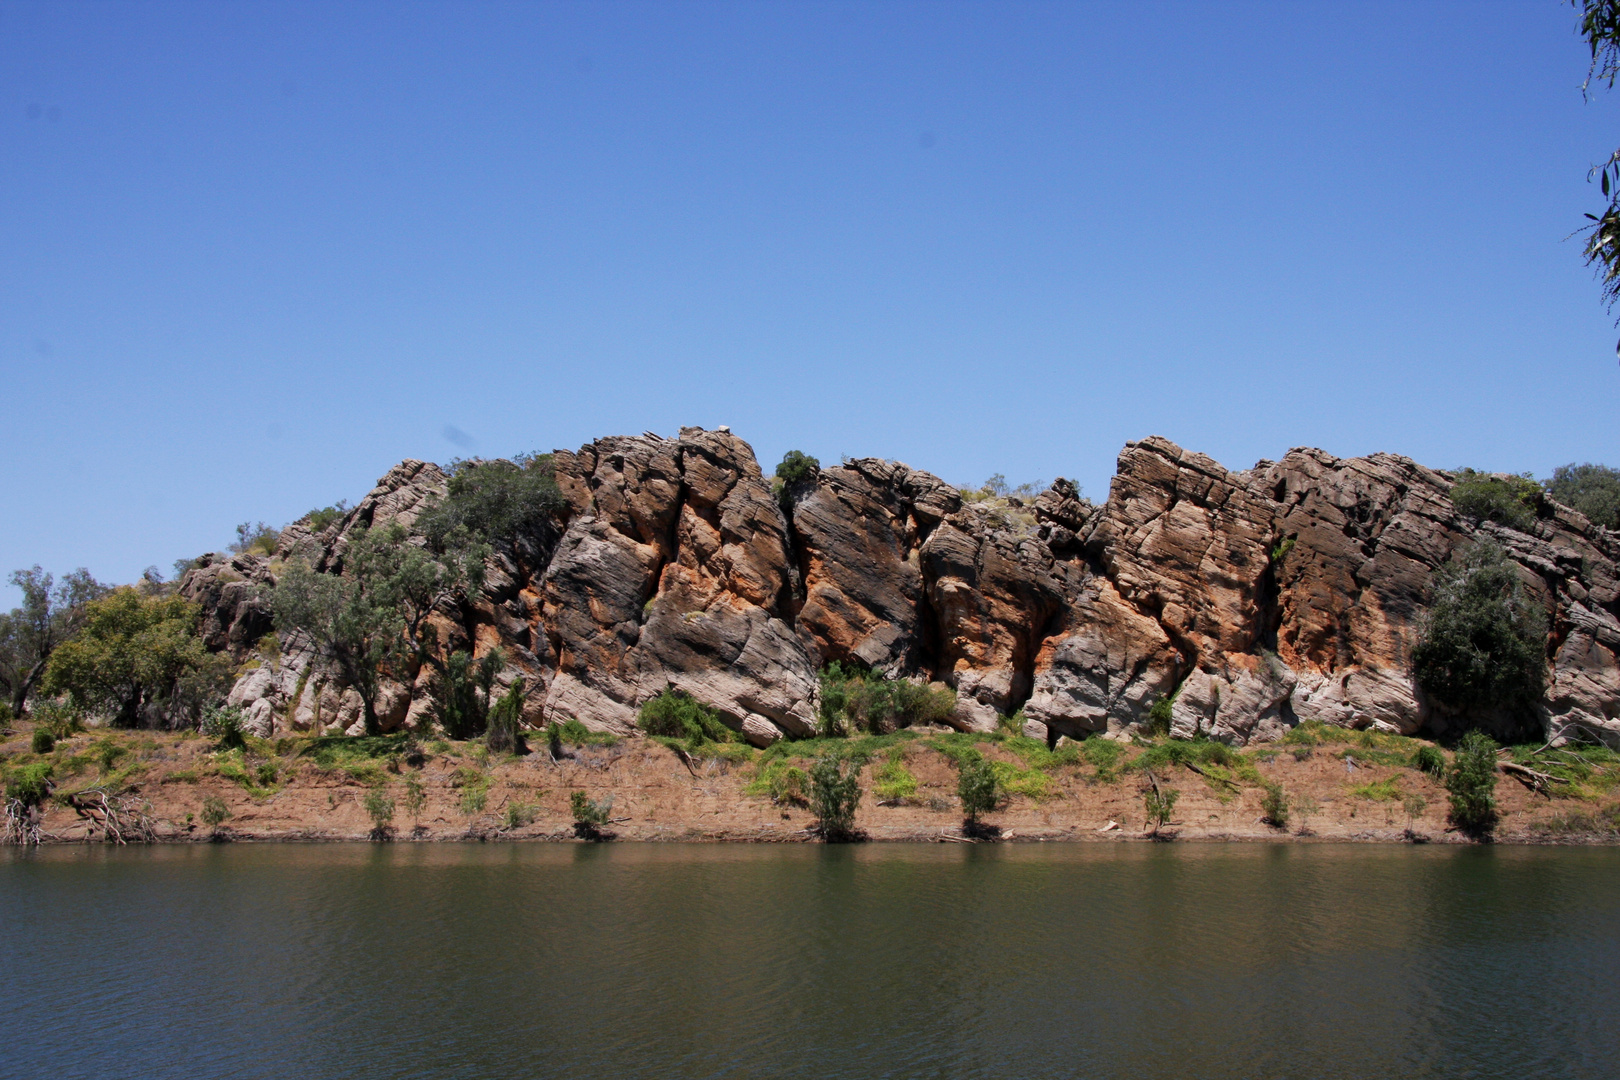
{"points": [[1292, 591]]}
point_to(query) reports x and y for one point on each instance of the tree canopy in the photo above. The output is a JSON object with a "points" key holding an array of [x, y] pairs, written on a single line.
{"points": [[1600, 26], [49, 615], [1594, 490]]}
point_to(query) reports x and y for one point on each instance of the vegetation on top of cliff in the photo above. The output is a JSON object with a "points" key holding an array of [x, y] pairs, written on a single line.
{"points": [[1594, 490], [1503, 498], [255, 539], [795, 475], [496, 502], [1484, 639]]}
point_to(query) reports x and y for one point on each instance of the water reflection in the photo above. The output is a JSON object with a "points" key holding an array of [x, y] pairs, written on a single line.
{"points": [[732, 961]]}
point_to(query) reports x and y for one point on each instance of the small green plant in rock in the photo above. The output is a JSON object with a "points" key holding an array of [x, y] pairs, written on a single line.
{"points": [[1429, 759], [1471, 784], [834, 796], [42, 742]]}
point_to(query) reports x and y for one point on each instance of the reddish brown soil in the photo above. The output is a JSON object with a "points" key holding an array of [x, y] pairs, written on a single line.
{"points": [[657, 797]]}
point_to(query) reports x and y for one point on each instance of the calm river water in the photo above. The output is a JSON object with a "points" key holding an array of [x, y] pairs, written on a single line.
{"points": [[509, 961]]}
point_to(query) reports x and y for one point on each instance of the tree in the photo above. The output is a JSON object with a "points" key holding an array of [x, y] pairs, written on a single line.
{"points": [[1471, 784], [258, 539], [1502, 498], [1484, 640], [373, 617], [131, 658], [497, 502], [50, 614], [834, 796], [1594, 490], [977, 787], [464, 703], [1600, 26], [505, 734]]}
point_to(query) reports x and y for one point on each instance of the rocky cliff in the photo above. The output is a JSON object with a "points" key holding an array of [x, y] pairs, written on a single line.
{"points": [[1287, 592]]}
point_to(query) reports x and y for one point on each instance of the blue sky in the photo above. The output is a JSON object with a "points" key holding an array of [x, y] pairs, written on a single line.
{"points": [[252, 255]]}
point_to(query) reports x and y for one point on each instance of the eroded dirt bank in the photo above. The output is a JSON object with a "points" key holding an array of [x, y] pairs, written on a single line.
{"points": [[1342, 786]]}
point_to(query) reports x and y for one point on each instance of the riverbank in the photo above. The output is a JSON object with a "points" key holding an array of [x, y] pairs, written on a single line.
{"points": [[1322, 785]]}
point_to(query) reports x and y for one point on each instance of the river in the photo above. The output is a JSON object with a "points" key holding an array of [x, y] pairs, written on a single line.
{"points": [[685, 961]]}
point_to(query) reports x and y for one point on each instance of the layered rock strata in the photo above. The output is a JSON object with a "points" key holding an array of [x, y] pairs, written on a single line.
{"points": [[1291, 591]]}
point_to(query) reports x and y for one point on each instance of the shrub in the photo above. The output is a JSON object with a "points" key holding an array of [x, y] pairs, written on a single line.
{"points": [[1159, 715], [505, 734], [520, 815], [380, 809], [797, 468], [462, 709], [1160, 803], [29, 785], [1274, 805], [321, 519], [1471, 784], [834, 796], [853, 699], [1414, 805], [977, 786], [497, 502], [588, 811], [223, 724], [1594, 490], [1505, 499], [1429, 759], [42, 742], [673, 715], [1484, 640], [256, 539], [1103, 755], [415, 797], [214, 812]]}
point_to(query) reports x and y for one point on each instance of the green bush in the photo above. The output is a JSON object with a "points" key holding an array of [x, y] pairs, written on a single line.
{"points": [[497, 502], [223, 724], [380, 809], [520, 815], [415, 797], [214, 812], [321, 519], [1103, 755], [977, 786], [673, 715], [1430, 760], [1484, 640], [42, 742], [797, 468], [834, 796], [1594, 490], [1505, 499], [588, 811], [462, 707], [784, 782], [852, 699], [1159, 803], [256, 539], [1159, 715], [505, 732], [29, 785], [1471, 784], [1274, 805]]}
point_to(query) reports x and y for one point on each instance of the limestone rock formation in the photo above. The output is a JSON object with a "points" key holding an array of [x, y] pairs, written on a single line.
{"points": [[1291, 591]]}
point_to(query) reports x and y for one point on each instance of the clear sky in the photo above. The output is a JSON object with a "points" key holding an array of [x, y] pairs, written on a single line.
{"points": [[251, 255]]}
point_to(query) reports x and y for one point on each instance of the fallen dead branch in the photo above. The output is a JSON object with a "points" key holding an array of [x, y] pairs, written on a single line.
{"points": [[119, 817]]}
